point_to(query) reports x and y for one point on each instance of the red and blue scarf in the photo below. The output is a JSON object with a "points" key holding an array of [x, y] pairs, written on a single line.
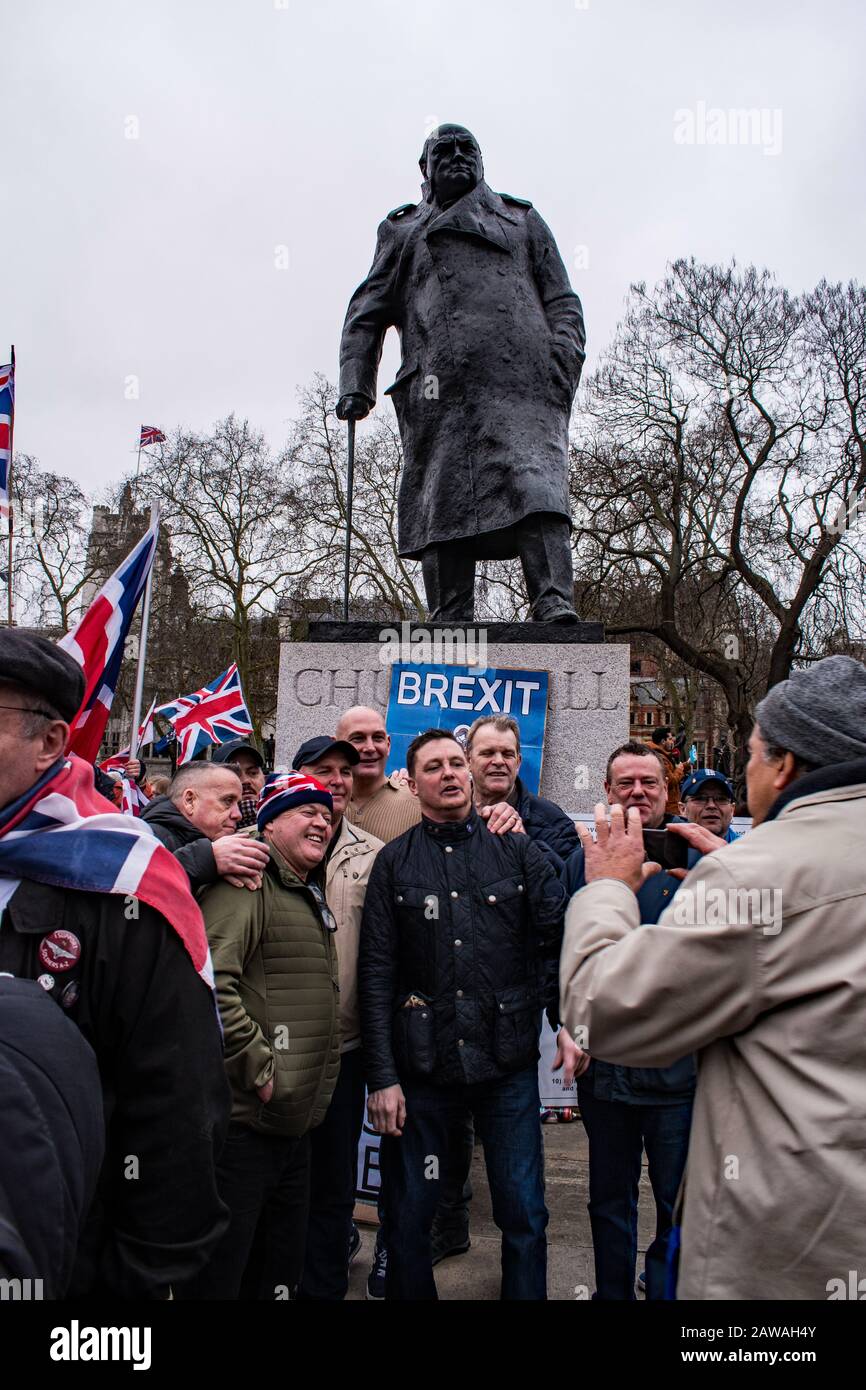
{"points": [[62, 832]]}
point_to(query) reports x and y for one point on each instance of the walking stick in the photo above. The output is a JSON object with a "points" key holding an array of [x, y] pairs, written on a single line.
{"points": [[350, 478]]}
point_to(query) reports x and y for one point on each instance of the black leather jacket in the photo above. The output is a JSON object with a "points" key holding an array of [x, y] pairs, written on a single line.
{"points": [[470, 925]]}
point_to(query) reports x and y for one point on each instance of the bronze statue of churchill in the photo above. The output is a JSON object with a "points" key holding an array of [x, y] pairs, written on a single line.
{"points": [[493, 342]]}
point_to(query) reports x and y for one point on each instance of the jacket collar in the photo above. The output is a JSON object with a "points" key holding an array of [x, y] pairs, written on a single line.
{"points": [[479, 213], [348, 843], [449, 831], [164, 812], [835, 777]]}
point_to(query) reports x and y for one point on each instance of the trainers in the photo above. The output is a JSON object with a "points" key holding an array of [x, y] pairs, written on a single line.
{"points": [[354, 1242], [376, 1277], [448, 1240]]}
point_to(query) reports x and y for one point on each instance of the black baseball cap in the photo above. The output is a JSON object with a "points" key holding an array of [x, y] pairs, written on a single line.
{"points": [[315, 749], [227, 751]]}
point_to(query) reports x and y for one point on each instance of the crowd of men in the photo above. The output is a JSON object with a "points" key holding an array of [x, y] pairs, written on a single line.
{"points": [[400, 937]]}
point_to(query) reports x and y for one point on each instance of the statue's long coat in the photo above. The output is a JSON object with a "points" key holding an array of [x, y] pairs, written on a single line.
{"points": [[481, 299]]}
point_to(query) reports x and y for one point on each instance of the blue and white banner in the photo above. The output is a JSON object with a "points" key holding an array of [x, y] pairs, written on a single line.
{"points": [[452, 697]]}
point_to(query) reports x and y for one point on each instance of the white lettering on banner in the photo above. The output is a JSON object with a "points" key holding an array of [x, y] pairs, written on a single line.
{"points": [[461, 692], [489, 692], [409, 689], [470, 693], [527, 687]]}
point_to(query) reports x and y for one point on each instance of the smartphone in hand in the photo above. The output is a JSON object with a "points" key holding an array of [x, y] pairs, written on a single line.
{"points": [[671, 851]]}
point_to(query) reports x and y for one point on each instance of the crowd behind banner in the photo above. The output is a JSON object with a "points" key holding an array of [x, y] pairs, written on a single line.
{"points": [[207, 1004]]}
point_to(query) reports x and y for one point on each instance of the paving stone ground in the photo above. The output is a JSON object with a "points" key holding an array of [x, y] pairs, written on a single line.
{"points": [[475, 1275]]}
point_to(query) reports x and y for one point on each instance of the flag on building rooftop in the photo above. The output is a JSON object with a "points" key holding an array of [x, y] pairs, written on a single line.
{"points": [[215, 714], [7, 417], [97, 643], [150, 435]]}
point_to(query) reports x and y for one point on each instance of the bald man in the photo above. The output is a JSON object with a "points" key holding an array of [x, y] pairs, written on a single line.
{"points": [[383, 806]]}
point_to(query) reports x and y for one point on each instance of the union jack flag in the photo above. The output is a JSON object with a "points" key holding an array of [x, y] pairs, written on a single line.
{"points": [[117, 762], [215, 714], [97, 643], [64, 833], [150, 435], [7, 419], [132, 798]]}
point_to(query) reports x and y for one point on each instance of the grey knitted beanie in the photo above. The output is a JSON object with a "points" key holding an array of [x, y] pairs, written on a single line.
{"points": [[818, 714]]}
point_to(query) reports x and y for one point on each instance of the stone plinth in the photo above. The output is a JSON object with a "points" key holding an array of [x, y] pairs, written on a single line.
{"points": [[326, 667]]}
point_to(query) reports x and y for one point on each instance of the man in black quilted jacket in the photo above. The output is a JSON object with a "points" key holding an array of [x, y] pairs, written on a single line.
{"points": [[460, 941], [506, 804]]}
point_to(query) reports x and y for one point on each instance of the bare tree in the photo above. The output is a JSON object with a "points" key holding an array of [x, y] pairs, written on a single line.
{"points": [[317, 453], [236, 527], [53, 567], [716, 448]]}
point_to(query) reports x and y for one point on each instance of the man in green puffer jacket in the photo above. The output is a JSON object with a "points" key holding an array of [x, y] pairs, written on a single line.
{"points": [[277, 985]]}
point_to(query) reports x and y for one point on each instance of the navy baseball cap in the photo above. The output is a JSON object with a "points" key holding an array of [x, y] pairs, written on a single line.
{"points": [[316, 748], [226, 751], [700, 779]]}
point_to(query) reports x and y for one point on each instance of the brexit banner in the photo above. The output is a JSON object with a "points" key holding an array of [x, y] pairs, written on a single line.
{"points": [[452, 697]]}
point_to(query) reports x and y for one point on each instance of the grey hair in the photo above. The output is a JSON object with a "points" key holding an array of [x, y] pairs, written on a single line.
{"points": [[502, 723], [774, 753], [33, 724]]}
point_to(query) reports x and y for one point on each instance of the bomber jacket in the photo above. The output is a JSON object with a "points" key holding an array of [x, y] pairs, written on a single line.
{"points": [[190, 847], [277, 984], [470, 924]]}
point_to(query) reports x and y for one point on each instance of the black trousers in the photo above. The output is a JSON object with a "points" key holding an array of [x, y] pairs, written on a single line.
{"points": [[543, 542], [264, 1179], [334, 1151]]}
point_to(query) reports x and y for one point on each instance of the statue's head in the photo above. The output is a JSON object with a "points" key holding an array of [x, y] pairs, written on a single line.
{"points": [[451, 162]]}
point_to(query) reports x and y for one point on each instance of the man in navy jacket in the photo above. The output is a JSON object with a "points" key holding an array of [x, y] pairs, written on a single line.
{"points": [[628, 1109]]}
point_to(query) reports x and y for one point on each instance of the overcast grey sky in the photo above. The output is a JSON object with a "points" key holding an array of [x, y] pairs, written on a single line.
{"points": [[298, 124]]}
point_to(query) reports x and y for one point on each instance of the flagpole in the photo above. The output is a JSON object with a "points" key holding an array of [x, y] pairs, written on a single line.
{"points": [[9, 601], [137, 467], [142, 646]]}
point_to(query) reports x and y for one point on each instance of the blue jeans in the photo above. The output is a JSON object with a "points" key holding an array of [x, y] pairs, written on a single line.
{"points": [[618, 1134], [507, 1122]]}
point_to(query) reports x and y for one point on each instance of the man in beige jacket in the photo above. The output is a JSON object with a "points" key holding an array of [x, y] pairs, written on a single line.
{"points": [[759, 965]]}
